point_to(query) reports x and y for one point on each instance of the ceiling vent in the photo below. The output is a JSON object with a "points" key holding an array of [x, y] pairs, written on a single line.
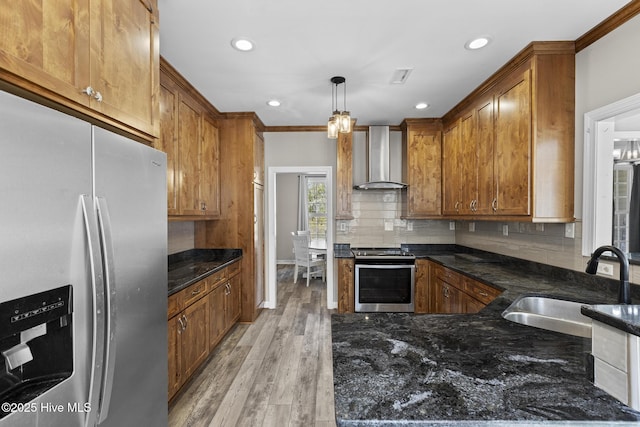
{"points": [[400, 76]]}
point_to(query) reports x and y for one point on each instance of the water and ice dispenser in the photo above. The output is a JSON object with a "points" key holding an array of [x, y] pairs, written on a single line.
{"points": [[36, 348]]}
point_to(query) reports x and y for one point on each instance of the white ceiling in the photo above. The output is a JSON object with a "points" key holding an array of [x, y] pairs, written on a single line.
{"points": [[301, 44]]}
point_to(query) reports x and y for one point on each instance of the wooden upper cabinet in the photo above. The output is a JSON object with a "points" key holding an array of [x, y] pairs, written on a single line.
{"points": [[518, 129], [344, 175], [210, 167], [513, 147], [168, 142], [125, 60], [468, 164], [451, 170], [59, 49], [484, 145], [421, 171], [189, 135], [189, 156]]}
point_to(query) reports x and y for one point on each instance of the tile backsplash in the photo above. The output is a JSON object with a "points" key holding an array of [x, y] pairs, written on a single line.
{"points": [[377, 223]]}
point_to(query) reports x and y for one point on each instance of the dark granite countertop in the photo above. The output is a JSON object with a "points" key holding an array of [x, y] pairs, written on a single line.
{"points": [[623, 317], [475, 369], [188, 267]]}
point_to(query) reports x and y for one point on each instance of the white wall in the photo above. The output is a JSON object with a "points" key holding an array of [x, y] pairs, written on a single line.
{"points": [[287, 221]]}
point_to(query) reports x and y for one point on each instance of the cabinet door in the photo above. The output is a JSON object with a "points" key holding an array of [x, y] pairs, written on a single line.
{"points": [[470, 305], [513, 147], [217, 315], [346, 285], [125, 61], [421, 303], [468, 165], [210, 168], [189, 145], [446, 298], [174, 332], [451, 171], [423, 173], [168, 142], [485, 157], [47, 43], [233, 300], [195, 337]]}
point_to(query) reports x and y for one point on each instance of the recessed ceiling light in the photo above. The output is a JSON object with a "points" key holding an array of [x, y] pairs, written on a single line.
{"points": [[477, 43], [242, 44], [421, 105], [273, 103]]}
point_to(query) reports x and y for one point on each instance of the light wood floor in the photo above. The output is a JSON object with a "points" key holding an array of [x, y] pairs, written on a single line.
{"points": [[274, 372]]}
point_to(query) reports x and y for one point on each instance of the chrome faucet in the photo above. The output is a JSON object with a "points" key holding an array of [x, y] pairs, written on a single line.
{"points": [[624, 292]]}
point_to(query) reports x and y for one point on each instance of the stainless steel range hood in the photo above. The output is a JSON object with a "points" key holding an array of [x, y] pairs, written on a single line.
{"points": [[378, 152]]}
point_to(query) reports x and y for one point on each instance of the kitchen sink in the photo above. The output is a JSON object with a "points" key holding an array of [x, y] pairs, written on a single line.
{"points": [[553, 314]]}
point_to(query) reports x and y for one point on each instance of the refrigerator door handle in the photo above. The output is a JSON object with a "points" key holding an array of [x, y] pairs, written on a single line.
{"points": [[98, 311], [104, 224]]}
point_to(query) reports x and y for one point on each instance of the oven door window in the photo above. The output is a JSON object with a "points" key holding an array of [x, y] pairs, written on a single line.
{"points": [[385, 284]]}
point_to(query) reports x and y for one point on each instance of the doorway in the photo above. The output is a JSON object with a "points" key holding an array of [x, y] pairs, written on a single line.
{"points": [[273, 234]]}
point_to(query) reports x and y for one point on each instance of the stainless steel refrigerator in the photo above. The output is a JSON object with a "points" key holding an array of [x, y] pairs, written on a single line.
{"points": [[83, 273]]}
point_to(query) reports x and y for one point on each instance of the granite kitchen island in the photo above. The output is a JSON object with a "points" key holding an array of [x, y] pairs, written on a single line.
{"points": [[472, 369]]}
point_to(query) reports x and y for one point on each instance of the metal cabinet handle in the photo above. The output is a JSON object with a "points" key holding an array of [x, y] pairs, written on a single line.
{"points": [[196, 292], [185, 322], [494, 205], [181, 328], [456, 206], [203, 206]]}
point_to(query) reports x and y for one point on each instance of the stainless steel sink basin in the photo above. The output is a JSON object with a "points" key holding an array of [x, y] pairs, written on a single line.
{"points": [[553, 314]]}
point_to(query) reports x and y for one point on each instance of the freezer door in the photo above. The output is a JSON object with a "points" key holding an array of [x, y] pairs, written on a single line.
{"points": [[130, 191], [45, 168]]}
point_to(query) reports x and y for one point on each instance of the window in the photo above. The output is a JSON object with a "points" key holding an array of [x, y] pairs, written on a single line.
{"points": [[622, 175], [317, 207]]}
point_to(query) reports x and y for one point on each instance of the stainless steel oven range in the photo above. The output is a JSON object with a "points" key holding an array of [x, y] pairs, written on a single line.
{"points": [[384, 280]]}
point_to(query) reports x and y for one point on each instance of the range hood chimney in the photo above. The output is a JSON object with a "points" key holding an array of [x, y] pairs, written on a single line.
{"points": [[378, 152]]}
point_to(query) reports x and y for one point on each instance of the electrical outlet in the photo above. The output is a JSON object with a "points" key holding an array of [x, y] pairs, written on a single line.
{"points": [[388, 226], [505, 230], [604, 268], [343, 226], [570, 230], [452, 225], [409, 225], [472, 227]]}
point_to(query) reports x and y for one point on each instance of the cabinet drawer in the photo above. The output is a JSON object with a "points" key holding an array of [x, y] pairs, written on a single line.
{"points": [[479, 291], [174, 305], [448, 276], [233, 269], [194, 292], [216, 278]]}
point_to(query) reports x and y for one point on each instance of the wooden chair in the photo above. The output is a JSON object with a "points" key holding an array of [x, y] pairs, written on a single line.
{"points": [[305, 259]]}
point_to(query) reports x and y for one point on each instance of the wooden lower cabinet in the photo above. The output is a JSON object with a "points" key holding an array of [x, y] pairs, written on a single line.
{"points": [[421, 301], [199, 317], [194, 342], [452, 292], [346, 285]]}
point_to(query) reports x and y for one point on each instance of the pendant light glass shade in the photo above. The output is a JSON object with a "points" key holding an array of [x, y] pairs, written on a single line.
{"points": [[345, 122], [340, 121], [332, 128]]}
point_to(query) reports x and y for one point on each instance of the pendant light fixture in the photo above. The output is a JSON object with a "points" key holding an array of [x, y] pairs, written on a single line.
{"points": [[340, 121]]}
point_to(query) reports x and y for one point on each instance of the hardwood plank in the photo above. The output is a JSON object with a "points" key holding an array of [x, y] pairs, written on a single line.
{"points": [[287, 372]]}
